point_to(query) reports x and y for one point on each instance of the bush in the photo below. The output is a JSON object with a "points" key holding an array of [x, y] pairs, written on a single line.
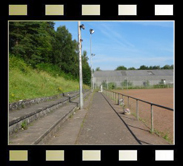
{"points": [[18, 63], [111, 85], [53, 70]]}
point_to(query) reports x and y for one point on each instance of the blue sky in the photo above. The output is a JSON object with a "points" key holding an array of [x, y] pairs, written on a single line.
{"points": [[127, 43]]}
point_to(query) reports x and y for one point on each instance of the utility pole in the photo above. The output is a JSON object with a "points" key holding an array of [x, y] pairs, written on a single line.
{"points": [[80, 67]]}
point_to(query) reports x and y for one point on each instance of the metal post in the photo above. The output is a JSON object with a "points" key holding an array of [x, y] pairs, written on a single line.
{"points": [[118, 98], [80, 69], [107, 85], [152, 124], [128, 102], [137, 109], [127, 83], [114, 97], [91, 63]]}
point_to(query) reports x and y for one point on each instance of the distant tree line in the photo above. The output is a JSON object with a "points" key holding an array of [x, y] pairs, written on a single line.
{"points": [[143, 67], [39, 44]]}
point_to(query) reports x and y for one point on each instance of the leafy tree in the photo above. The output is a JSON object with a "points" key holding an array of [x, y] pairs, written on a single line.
{"points": [[30, 41], [98, 69], [131, 68], [155, 67], [167, 67], [143, 67], [121, 68], [86, 69], [38, 44]]}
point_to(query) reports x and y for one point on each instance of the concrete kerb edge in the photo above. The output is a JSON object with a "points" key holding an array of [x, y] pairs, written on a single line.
{"points": [[42, 139]]}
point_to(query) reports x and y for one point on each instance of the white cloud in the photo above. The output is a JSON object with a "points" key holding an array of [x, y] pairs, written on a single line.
{"points": [[114, 36], [165, 24]]}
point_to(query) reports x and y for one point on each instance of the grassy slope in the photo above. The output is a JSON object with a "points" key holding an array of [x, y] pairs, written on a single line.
{"points": [[28, 83]]}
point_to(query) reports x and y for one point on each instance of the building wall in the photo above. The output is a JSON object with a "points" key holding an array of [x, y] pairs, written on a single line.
{"points": [[135, 80]]}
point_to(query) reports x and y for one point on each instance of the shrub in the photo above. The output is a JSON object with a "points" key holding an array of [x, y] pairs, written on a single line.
{"points": [[18, 63]]}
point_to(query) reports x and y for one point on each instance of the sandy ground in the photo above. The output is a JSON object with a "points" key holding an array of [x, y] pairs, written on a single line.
{"points": [[163, 119]]}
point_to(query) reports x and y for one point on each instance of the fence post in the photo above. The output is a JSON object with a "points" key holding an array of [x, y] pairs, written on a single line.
{"points": [[128, 102], [137, 109], [115, 98], [118, 98], [152, 124]]}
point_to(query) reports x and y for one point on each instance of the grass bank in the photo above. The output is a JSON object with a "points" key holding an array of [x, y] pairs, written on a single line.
{"points": [[28, 83]]}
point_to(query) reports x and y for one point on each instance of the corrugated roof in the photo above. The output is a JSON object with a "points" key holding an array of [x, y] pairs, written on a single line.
{"points": [[119, 73]]}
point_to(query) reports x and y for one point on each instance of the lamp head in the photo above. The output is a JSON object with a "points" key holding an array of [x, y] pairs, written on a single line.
{"points": [[82, 26], [91, 31]]}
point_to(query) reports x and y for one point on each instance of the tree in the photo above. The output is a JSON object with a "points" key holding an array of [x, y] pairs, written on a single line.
{"points": [[155, 67], [167, 67], [65, 52], [31, 41], [86, 69], [98, 69], [131, 68], [143, 67], [121, 68]]}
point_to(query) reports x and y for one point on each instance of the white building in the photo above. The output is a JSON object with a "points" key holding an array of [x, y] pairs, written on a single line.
{"points": [[133, 77]]}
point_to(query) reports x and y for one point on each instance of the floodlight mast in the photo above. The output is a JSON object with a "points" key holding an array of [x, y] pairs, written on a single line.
{"points": [[92, 82], [80, 66]]}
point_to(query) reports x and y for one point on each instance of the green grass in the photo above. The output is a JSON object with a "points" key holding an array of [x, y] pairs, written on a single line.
{"points": [[28, 83], [24, 125]]}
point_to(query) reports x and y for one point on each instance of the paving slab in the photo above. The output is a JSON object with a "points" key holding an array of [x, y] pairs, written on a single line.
{"points": [[103, 127]]}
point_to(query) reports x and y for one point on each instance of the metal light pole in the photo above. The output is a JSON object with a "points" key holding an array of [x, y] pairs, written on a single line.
{"points": [[80, 67], [91, 32]]}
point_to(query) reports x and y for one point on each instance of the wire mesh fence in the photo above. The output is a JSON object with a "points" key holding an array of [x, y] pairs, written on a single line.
{"points": [[157, 118]]}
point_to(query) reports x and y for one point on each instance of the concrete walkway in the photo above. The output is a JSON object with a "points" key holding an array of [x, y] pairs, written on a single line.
{"points": [[103, 127], [100, 122]]}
